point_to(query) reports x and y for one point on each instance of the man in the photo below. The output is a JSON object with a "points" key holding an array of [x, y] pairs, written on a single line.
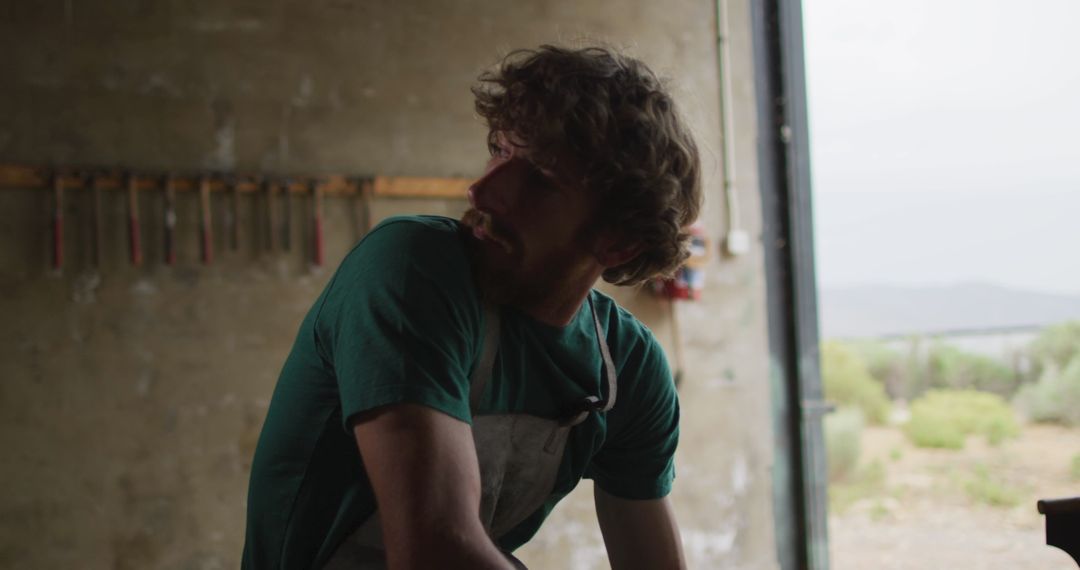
{"points": [[455, 380]]}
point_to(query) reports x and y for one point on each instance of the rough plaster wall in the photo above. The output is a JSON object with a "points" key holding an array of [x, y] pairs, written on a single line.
{"points": [[132, 398]]}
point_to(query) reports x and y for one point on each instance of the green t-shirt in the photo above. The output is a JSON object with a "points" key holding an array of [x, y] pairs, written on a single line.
{"points": [[401, 321]]}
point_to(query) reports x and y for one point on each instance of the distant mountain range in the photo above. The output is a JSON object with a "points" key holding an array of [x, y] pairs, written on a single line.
{"points": [[879, 310]]}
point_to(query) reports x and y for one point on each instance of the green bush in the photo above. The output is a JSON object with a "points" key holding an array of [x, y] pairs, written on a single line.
{"points": [[944, 418], [848, 383], [843, 442], [1055, 397], [1056, 346], [886, 365], [952, 368], [932, 429]]}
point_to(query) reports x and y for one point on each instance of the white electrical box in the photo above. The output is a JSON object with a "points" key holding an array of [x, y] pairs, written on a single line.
{"points": [[736, 243]]}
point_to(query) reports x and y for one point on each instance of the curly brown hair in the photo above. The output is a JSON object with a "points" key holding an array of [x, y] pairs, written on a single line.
{"points": [[604, 122]]}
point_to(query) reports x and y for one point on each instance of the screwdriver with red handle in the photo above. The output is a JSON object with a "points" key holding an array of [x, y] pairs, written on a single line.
{"points": [[317, 215], [170, 221], [134, 237], [58, 222], [206, 228]]}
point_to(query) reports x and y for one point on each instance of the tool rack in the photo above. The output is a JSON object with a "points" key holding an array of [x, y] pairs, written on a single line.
{"points": [[60, 179]]}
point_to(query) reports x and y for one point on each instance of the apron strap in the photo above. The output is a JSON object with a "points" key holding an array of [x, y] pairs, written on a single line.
{"points": [[609, 365], [482, 372]]}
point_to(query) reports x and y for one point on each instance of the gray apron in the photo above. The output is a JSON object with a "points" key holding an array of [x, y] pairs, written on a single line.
{"points": [[519, 456]]}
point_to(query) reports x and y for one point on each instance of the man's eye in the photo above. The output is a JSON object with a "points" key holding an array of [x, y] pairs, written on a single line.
{"points": [[498, 151], [541, 181]]}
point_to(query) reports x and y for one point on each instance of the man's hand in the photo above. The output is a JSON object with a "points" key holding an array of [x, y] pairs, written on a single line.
{"points": [[424, 472], [639, 534]]}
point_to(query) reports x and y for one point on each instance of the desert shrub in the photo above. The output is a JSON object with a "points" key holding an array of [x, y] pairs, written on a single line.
{"points": [[984, 488], [917, 376], [932, 429], [848, 383], [1055, 397], [944, 418], [843, 442], [952, 368], [886, 365], [1056, 346]]}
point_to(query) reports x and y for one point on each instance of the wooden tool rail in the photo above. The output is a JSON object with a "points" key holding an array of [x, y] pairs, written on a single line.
{"points": [[76, 178]]}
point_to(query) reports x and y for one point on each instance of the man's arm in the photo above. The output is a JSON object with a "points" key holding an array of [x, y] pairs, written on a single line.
{"points": [[424, 472], [639, 534]]}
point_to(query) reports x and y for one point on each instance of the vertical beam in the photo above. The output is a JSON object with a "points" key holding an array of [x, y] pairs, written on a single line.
{"points": [[800, 474]]}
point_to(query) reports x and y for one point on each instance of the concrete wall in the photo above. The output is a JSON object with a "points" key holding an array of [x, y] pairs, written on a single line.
{"points": [[132, 398]]}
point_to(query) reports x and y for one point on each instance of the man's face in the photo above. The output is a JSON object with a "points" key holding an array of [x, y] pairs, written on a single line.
{"points": [[529, 232]]}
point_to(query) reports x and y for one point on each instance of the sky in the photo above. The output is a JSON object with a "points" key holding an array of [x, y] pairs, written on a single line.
{"points": [[945, 141]]}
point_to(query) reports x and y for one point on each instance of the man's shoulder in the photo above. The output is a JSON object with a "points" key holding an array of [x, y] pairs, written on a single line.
{"points": [[410, 240], [406, 259], [625, 332], [409, 228], [615, 315]]}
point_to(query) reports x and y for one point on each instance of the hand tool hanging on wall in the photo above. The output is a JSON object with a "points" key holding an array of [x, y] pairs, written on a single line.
{"points": [[367, 194], [134, 239], [58, 221], [358, 212], [95, 185], [317, 219], [270, 188], [232, 218], [206, 222], [170, 221], [286, 216]]}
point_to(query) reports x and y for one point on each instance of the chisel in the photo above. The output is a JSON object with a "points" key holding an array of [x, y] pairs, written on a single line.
{"points": [[367, 193], [286, 217], [134, 239], [206, 222], [170, 222], [95, 185], [271, 215], [317, 215], [232, 219], [58, 221]]}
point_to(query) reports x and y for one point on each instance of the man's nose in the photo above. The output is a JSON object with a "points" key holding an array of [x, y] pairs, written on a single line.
{"points": [[493, 192]]}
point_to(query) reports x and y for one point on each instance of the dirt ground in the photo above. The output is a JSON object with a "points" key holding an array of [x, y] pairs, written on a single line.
{"points": [[969, 509]]}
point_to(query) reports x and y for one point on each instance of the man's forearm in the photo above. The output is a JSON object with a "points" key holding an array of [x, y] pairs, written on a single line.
{"points": [[425, 474], [448, 547], [639, 534]]}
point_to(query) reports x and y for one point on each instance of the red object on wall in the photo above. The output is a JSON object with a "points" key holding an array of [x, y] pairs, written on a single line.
{"points": [[689, 280]]}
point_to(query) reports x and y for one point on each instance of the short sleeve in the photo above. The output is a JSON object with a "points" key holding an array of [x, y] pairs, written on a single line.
{"points": [[398, 322], [636, 460]]}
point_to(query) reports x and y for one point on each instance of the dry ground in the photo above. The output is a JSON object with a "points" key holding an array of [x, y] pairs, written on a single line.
{"points": [[932, 508]]}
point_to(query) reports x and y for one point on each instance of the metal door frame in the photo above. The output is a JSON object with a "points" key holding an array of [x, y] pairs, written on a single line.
{"points": [[783, 148]]}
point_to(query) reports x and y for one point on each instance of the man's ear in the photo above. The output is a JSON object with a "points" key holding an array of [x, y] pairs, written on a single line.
{"points": [[613, 252]]}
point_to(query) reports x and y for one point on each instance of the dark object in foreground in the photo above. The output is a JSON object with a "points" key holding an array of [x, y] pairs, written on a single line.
{"points": [[1063, 524]]}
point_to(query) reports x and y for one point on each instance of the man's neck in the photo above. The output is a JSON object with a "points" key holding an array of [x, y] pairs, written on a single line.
{"points": [[558, 308]]}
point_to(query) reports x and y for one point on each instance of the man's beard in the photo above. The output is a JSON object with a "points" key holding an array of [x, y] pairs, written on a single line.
{"points": [[499, 264]]}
